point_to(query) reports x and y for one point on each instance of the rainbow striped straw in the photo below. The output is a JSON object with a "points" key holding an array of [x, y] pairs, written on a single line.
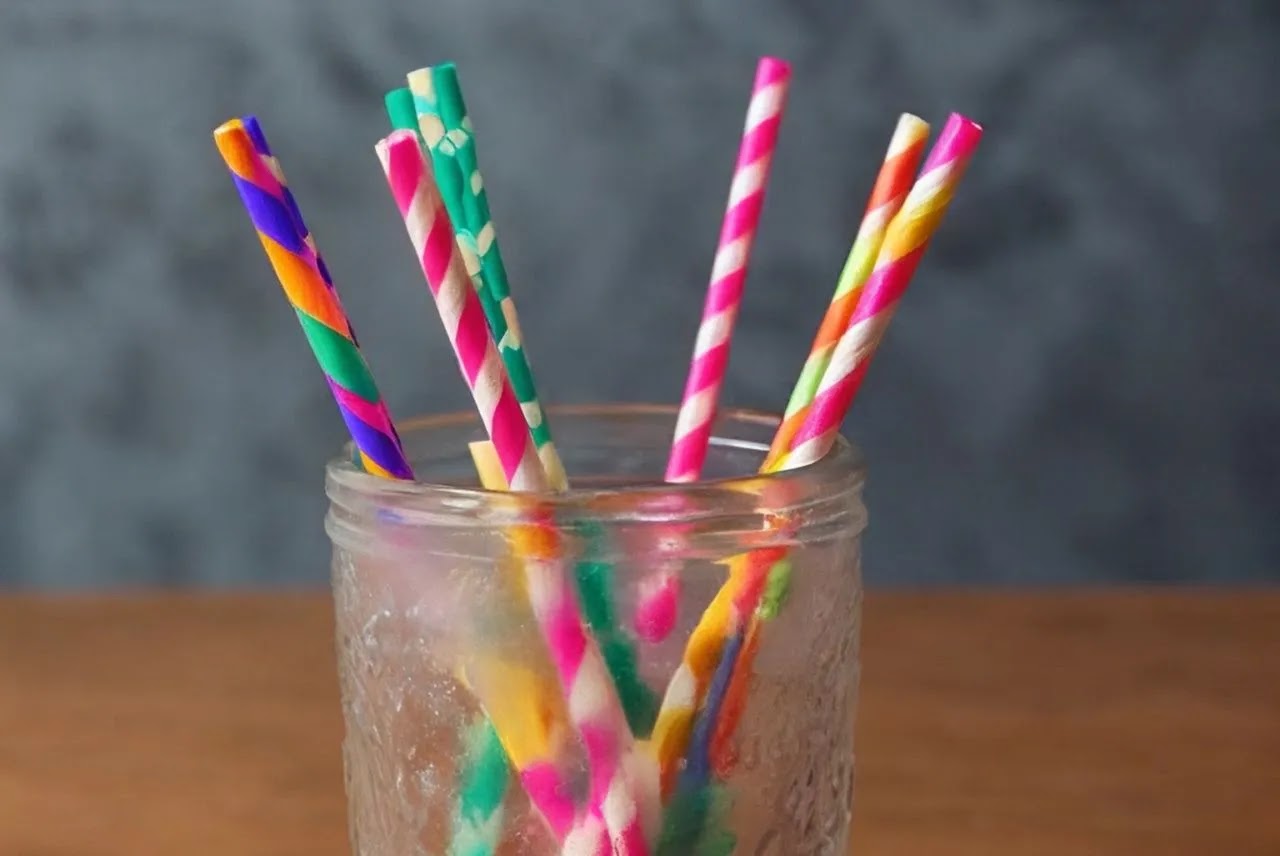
{"points": [[593, 705], [897, 173], [310, 291], [725, 699], [906, 238], [904, 245], [280, 227]]}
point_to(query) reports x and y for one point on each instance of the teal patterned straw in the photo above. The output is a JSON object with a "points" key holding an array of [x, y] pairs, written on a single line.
{"points": [[446, 129], [399, 104]]}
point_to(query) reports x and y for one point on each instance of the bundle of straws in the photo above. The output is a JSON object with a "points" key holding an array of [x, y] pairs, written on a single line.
{"points": [[653, 765]]}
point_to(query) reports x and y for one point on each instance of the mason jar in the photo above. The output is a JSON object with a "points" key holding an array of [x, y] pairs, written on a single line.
{"points": [[462, 739]]}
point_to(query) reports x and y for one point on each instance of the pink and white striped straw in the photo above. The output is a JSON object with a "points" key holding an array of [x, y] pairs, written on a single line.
{"points": [[593, 704], [729, 271], [431, 233], [655, 613], [906, 239]]}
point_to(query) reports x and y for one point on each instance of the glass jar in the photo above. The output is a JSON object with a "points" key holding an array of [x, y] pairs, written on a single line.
{"points": [[455, 717]]}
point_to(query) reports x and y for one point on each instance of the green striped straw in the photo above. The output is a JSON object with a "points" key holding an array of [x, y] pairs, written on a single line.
{"points": [[477, 824], [696, 823]]}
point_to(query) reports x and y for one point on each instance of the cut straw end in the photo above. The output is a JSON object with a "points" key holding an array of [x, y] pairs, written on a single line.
{"points": [[240, 158], [959, 139], [449, 100], [771, 69], [903, 156], [400, 110]]}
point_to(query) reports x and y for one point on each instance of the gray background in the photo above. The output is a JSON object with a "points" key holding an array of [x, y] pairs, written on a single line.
{"points": [[1081, 385]]}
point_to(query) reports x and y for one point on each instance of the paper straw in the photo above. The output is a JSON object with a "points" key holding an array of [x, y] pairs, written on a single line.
{"points": [[906, 239], [726, 702], [431, 232], [656, 606], [400, 112], [904, 245], [444, 123], [596, 584], [728, 611], [316, 303], [482, 791], [729, 271], [593, 705], [447, 130], [309, 290], [898, 171], [725, 618]]}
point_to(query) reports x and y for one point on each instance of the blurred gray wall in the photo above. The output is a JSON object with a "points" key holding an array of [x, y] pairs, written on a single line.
{"points": [[1081, 386]]}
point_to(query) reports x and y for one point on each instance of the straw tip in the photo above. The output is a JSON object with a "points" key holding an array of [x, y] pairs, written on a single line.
{"points": [[911, 131], [771, 69], [392, 147], [961, 134], [960, 124], [232, 141], [912, 122], [227, 128], [399, 137]]}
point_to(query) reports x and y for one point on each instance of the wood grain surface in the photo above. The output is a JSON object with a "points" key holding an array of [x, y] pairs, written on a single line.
{"points": [[991, 723]]}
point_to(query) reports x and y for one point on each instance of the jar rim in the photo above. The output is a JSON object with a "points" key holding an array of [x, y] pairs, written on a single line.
{"points": [[843, 467]]}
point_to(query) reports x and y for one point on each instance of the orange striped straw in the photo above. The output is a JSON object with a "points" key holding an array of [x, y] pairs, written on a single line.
{"points": [[897, 256], [906, 148]]}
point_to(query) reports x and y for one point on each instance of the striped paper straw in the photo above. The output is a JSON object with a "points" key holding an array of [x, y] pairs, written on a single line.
{"points": [[906, 237], [259, 139], [432, 235], [726, 700], [446, 128], [656, 606], [906, 147], [477, 826], [728, 612], [904, 245], [593, 704], [480, 813], [309, 290], [729, 271], [442, 113]]}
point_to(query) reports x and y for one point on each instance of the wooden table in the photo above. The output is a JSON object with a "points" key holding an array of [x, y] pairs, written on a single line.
{"points": [[1103, 723]]}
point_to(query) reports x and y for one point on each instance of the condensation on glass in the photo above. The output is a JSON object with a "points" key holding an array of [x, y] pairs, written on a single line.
{"points": [[431, 616]]}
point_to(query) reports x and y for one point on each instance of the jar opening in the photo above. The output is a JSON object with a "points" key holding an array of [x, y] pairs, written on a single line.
{"points": [[615, 456]]}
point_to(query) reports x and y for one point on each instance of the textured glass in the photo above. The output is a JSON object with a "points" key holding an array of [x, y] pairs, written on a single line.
{"points": [[431, 617]]}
